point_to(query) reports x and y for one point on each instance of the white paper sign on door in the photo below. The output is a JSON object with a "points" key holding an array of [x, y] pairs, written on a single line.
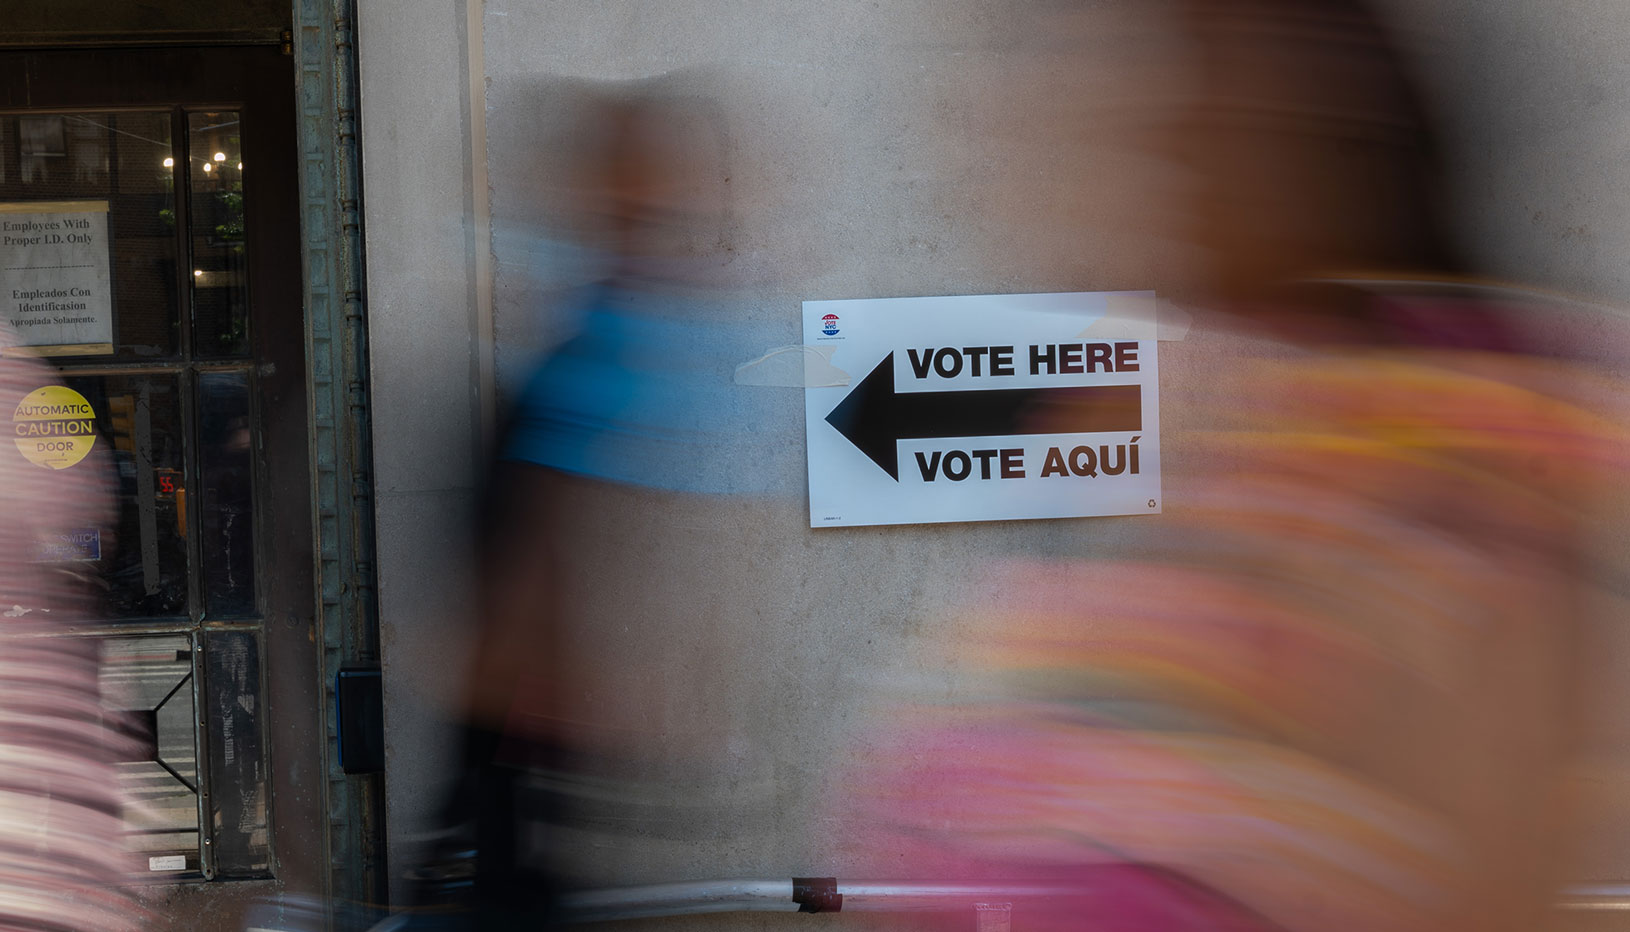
{"points": [[984, 408], [54, 283]]}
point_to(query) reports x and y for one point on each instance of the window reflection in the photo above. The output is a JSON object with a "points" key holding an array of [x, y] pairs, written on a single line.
{"points": [[227, 507], [147, 684], [220, 283], [145, 565], [127, 160]]}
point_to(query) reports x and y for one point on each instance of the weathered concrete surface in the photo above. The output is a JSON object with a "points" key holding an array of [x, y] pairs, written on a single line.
{"points": [[418, 222], [871, 149]]}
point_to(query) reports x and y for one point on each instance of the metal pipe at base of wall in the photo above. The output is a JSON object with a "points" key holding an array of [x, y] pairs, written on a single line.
{"points": [[993, 903], [679, 899], [1595, 897]]}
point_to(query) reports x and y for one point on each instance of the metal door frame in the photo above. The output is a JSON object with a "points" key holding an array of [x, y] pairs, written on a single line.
{"points": [[342, 452]]}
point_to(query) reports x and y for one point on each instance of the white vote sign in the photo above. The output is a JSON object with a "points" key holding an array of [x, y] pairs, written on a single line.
{"points": [[983, 408]]}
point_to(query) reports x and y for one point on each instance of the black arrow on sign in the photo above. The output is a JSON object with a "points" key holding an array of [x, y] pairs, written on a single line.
{"points": [[874, 416]]}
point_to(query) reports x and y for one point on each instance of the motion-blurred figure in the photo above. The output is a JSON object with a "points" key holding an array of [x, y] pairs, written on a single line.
{"points": [[1339, 693], [633, 410], [62, 854]]}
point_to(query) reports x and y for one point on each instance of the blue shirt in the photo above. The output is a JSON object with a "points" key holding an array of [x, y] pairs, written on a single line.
{"points": [[644, 395]]}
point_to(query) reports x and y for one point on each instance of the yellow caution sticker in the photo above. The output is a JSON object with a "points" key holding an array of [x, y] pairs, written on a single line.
{"points": [[54, 427]]}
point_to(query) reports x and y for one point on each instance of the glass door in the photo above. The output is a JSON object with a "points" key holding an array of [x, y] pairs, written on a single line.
{"points": [[148, 227]]}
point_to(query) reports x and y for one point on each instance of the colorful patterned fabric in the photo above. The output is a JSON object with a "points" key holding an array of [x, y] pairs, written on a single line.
{"points": [[61, 848], [1338, 692]]}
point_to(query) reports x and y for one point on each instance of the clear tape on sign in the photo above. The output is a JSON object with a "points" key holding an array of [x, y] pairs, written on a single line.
{"points": [[1138, 317], [793, 367]]}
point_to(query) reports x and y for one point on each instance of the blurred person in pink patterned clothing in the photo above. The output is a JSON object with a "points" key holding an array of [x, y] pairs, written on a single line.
{"points": [[1339, 693], [62, 851]]}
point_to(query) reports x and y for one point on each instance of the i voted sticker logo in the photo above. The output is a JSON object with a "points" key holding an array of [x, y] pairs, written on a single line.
{"points": [[829, 325]]}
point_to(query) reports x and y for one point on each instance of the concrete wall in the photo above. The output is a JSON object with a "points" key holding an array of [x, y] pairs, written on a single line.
{"points": [[871, 150], [914, 147], [423, 201]]}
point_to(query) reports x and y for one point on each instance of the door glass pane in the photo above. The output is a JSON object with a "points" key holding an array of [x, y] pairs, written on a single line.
{"points": [[145, 563], [239, 821], [227, 504], [147, 684], [89, 206], [220, 280]]}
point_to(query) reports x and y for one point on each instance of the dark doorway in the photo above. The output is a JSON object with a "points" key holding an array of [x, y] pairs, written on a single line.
{"points": [[183, 161]]}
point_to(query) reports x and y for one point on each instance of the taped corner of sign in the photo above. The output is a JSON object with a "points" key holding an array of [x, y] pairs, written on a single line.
{"points": [[1136, 316], [793, 367]]}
